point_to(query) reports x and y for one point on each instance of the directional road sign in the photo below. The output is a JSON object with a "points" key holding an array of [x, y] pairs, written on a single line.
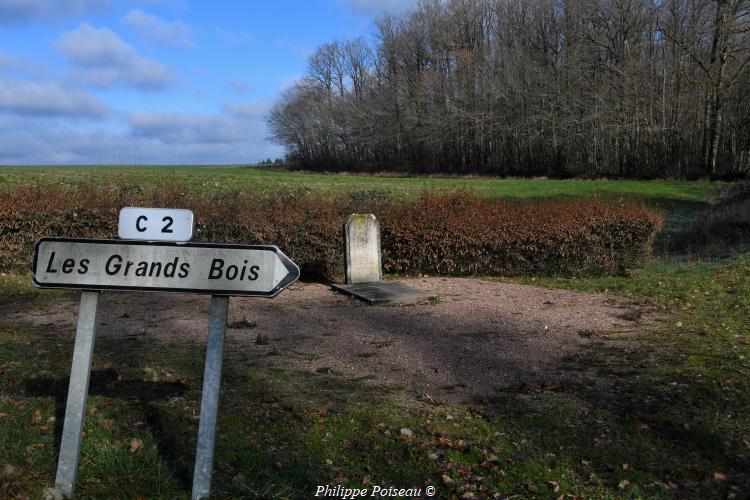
{"points": [[90, 264]]}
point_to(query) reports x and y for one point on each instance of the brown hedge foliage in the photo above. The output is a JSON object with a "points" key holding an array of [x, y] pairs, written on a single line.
{"points": [[450, 233]]}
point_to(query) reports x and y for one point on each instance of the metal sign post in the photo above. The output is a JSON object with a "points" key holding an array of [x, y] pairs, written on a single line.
{"points": [[94, 265], [78, 390], [204, 453]]}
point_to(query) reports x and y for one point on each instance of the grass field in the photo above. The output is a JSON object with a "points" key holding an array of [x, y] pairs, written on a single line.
{"points": [[272, 179], [669, 415]]}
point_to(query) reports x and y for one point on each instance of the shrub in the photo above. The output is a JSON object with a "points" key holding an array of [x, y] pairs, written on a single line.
{"points": [[723, 226], [451, 233], [456, 234]]}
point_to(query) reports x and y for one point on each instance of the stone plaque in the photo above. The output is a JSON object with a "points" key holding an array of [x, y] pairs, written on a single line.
{"points": [[363, 261]]}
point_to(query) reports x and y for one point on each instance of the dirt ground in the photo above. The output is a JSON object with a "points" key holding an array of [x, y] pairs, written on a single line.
{"points": [[478, 338]]}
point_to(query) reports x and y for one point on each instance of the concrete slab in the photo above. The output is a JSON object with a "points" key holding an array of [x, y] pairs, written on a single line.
{"points": [[385, 292]]}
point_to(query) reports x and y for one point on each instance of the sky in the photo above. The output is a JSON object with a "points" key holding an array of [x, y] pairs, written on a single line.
{"points": [[157, 81]]}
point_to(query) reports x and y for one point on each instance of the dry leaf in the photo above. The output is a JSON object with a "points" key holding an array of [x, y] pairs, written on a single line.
{"points": [[720, 476], [8, 470], [135, 445], [623, 484], [52, 494]]}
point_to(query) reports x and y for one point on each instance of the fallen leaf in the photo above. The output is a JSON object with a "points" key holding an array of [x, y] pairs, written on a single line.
{"points": [[135, 445], [406, 432], [52, 494], [447, 480], [8, 470], [443, 441], [34, 446], [720, 476], [623, 484]]}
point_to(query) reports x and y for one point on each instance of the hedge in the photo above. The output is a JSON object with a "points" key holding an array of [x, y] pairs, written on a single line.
{"points": [[449, 233]]}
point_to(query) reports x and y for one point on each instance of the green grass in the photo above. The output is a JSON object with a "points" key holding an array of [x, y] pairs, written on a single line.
{"points": [[263, 179], [675, 422], [665, 416]]}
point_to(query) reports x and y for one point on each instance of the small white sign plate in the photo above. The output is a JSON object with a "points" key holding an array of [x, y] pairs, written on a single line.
{"points": [[256, 270], [155, 224]]}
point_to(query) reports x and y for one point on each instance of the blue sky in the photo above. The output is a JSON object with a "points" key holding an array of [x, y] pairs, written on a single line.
{"points": [[157, 81]]}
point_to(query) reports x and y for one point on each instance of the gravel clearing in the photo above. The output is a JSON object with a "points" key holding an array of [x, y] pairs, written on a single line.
{"points": [[480, 337]]}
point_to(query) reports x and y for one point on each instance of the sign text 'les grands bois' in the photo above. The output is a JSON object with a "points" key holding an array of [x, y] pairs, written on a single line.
{"points": [[258, 270]]}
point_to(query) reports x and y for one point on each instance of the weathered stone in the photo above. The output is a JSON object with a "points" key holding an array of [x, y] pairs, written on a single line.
{"points": [[363, 257]]}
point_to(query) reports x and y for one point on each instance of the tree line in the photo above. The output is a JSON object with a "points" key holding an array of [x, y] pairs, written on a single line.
{"points": [[621, 88]]}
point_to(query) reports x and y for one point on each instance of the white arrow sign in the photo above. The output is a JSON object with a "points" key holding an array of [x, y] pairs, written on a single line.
{"points": [[258, 270]]}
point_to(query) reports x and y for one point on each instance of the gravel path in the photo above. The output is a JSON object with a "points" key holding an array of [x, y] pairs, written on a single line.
{"points": [[480, 337]]}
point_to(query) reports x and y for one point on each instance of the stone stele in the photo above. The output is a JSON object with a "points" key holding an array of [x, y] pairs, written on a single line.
{"points": [[363, 258]]}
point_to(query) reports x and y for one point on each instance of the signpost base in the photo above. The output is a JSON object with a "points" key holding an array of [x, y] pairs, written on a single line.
{"points": [[204, 455], [75, 411]]}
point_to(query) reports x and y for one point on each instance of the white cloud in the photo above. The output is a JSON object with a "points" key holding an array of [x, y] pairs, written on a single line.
{"points": [[156, 29], [38, 141], [234, 37], [47, 11], [102, 59], [26, 98], [13, 64], [172, 128], [248, 109], [374, 7], [296, 48], [240, 86]]}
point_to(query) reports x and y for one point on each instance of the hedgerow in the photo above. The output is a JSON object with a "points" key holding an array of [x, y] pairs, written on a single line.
{"points": [[450, 233]]}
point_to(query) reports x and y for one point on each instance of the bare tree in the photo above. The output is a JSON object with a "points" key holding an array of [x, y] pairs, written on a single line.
{"points": [[626, 88]]}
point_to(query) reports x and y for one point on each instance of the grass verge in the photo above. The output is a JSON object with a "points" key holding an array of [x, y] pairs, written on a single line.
{"points": [[665, 416]]}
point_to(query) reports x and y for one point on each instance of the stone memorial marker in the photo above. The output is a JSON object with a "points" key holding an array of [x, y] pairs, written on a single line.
{"points": [[363, 262], [364, 270]]}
